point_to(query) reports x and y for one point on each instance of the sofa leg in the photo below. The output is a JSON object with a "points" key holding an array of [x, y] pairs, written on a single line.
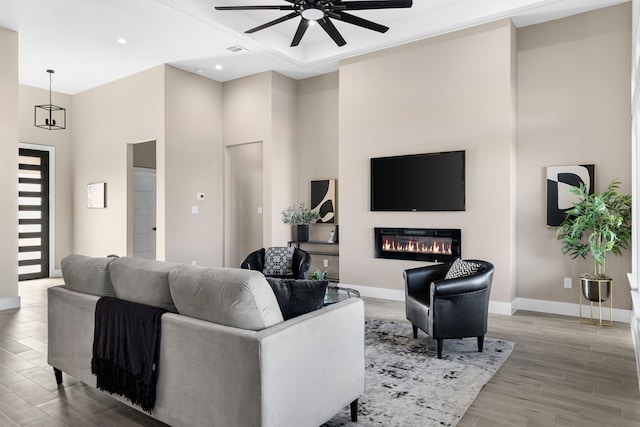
{"points": [[439, 344], [58, 373], [354, 410], [415, 330], [480, 343]]}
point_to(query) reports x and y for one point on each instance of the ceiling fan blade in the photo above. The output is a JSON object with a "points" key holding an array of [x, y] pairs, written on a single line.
{"points": [[274, 22], [254, 7], [356, 20], [374, 4], [331, 29], [302, 28]]}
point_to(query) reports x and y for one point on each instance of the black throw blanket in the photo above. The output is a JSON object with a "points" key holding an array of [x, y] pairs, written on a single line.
{"points": [[126, 349]]}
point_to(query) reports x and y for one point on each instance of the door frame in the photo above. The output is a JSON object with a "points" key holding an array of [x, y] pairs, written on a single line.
{"points": [[52, 202], [226, 258]]}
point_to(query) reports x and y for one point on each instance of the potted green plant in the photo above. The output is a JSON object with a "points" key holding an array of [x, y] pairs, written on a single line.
{"points": [[596, 225], [319, 275], [301, 218]]}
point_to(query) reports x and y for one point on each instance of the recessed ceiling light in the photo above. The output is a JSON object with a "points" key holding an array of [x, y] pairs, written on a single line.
{"points": [[122, 40], [218, 67]]}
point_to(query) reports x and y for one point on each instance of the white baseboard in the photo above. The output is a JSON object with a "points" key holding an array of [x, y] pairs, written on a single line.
{"points": [[9, 303], [506, 308], [371, 292], [570, 309], [56, 273]]}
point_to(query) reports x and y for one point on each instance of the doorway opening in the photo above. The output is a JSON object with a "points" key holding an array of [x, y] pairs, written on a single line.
{"points": [[244, 195], [144, 196]]}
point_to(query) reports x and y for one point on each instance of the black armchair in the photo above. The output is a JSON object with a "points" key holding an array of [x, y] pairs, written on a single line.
{"points": [[453, 308], [300, 263]]}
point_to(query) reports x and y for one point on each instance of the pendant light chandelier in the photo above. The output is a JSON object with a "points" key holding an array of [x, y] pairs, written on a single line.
{"points": [[49, 116]]}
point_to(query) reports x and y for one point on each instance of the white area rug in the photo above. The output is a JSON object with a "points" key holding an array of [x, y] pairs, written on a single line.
{"points": [[407, 385]]}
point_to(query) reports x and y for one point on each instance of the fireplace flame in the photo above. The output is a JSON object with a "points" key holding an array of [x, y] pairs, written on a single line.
{"points": [[412, 246]]}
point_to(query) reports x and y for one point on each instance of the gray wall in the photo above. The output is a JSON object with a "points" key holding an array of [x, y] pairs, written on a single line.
{"points": [[9, 170], [454, 92], [574, 103]]}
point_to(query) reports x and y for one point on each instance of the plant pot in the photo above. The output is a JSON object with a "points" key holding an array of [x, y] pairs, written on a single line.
{"points": [[589, 288], [302, 232]]}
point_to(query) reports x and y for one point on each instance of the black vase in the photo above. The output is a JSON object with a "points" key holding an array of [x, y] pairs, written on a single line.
{"points": [[302, 233], [596, 290]]}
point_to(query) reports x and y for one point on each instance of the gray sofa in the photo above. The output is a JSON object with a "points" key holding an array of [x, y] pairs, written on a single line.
{"points": [[227, 358]]}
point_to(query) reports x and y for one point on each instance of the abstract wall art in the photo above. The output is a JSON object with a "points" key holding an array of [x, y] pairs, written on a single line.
{"points": [[559, 181], [323, 199]]}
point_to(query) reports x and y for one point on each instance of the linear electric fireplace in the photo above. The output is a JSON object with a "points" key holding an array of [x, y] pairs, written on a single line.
{"points": [[418, 244]]}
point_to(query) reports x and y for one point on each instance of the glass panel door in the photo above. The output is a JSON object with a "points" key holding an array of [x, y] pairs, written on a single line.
{"points": [[33, 214]]}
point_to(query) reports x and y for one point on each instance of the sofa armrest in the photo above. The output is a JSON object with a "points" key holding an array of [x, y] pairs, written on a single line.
{"points": [[459, 285], [313, 365], [300, 372], [418, 280]]}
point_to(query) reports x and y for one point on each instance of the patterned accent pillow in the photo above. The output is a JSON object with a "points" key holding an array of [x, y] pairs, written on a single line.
{"points": [[461, 268], [277, 261]]}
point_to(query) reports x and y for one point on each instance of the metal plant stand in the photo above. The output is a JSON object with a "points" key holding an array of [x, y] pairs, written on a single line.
{"points": [[602, 297]]}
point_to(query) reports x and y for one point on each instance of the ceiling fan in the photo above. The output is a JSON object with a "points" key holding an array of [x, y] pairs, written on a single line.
{"points": [[322, 11]]}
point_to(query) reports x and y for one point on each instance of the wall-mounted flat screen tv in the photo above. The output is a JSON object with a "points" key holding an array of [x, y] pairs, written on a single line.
{"points": [[418, 182]]}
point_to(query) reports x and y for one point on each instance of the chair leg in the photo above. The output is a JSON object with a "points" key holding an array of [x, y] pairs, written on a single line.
{"points": [[415, 330], [439, 344], [354, 410], [480, 343]]}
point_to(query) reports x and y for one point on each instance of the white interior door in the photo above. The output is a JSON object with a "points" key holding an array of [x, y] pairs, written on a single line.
{"points": [[144, 213]]}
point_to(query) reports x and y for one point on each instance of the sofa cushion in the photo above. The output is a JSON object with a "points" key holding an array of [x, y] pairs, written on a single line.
{"points": [[278, 260], [298, 296], [87, 274], [461, 268], [143, 281], [228, 296]]}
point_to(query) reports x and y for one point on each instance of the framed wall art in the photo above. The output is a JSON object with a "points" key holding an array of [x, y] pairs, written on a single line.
{"points": [[323, 199], [559, 181], [96, 195]]}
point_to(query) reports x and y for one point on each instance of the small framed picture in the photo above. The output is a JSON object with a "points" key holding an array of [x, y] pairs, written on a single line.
{"points": [[96, 195]]}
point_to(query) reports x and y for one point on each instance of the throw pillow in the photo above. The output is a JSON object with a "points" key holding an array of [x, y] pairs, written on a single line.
{"points": [[298, 296], [461, 268], [277, 261]]}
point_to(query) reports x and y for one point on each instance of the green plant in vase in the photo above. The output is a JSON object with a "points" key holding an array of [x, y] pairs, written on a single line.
{"points": [[300, 217], [596, 225], [319, 275]]}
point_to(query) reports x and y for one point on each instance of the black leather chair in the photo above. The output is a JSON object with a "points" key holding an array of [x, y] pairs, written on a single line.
{"points": [[453, 308], [299, 264]]}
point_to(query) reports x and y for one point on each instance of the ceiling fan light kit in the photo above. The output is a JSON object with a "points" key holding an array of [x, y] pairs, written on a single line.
{"points": [[322, 12]]}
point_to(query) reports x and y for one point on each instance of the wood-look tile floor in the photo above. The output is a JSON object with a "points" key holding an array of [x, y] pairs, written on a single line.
{"points": [[560, 373]]}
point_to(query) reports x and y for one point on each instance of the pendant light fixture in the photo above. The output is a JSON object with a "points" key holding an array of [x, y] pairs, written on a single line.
{"points": [[49, 116]]}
